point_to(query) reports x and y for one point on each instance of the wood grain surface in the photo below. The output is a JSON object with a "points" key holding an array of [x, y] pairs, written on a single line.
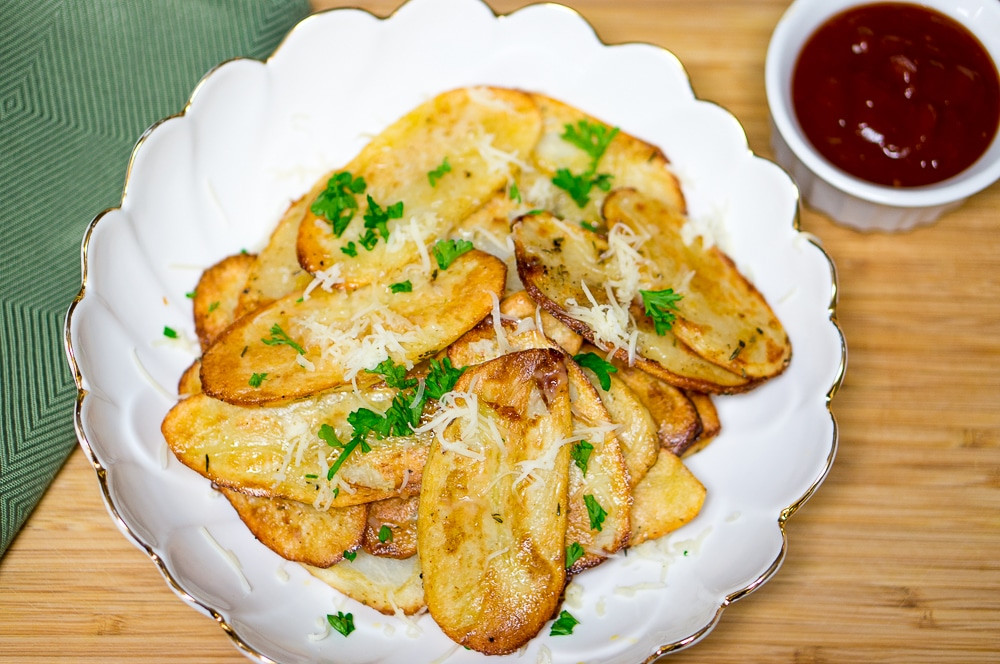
{"points": [[895, 559]]}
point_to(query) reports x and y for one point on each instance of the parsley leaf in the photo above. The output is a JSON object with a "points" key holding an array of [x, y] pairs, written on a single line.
{"points": [[328, 434], [169, 332], [213, 306], [278, 337], [660, 306], [581, 455], [350, 555], [336, 203], [401, 287], [368, 240], [564, 624], [514, 193], [342, 622], [378, 219], [596, 513], [591, 137], [394, 374], [601, 367], [350, 249], [385, 534], [348, 449], [441, 378], [573, 553], [436, 174], [446, 251], [577, 186], [257, 378]]}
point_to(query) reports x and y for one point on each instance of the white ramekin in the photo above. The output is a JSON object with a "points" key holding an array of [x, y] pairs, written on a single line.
{"points": [[844, 198]]}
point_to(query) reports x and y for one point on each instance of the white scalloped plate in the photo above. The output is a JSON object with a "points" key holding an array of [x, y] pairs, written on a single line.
{"points": [[214, 179]]}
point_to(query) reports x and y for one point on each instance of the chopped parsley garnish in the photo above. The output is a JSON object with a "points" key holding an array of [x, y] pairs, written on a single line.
{"points": [[213, 306], [394, 374], [368, 240], [169, 332], [573, 553], [514, 193], [350, 555], [278, 337], [337, 203], [385, 534], [348, 449], [564, 624], [446, 251], [660, 306], [596, 513], [401, 287], [590, 226], [190, 295], [581, 455], [593, 138], [377, 218], [342, 622], [601, 367], [436, 174], [441, 378], [350, 249], [328, 434], [257, 378]]}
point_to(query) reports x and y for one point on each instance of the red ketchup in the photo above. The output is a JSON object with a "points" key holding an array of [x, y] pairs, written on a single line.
{"points": [[896, 94]]}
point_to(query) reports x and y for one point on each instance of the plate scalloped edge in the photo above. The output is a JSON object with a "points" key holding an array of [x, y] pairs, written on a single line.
{"points": [[94, 400]]}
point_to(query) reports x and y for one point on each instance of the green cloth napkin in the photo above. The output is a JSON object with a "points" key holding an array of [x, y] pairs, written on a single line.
{"points": [[80, 80]]}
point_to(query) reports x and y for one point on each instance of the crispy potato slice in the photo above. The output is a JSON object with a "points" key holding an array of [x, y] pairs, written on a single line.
{"points": [[629, 161], [300, 532], [676, 418], [388, 585], [721, 317], [391, 530], [711, 425], [217, 294], [520, 305], [302, 346], [491, 535], [481, 133], [555, 261], [276, 451], [600, 497], [667, 498], [276, 271], [190, 381]]}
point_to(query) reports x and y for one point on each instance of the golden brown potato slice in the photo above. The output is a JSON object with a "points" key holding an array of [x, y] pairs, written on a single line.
{"points": [[711, 425], [295, 346], [217, 294], [276, 271], [190, 381], [300, 532], [629, 161], [562, 269], [493, 505], [520, 305], [391, 530], [667, 498], [388, 585], [276, 450], [479, 134], [600, 497], [721, 317], [676, 418]]}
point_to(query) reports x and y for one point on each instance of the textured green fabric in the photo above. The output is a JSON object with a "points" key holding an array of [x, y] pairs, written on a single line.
{"points": [[80, 80]]}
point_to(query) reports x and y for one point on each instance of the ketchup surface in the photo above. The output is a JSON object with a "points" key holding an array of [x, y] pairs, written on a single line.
{"points": [[896, 94]]}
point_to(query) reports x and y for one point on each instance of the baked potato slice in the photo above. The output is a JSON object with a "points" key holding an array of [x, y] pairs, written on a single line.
{"points": [[391, 529], [627, 162], [491, 525], [711, 425], [297, 346], [721, 316], [479, 135], [217, 294], [562, 268], [668, 497], [388, 585], [300, 532], [276, 271], [677, 422], [600, 497], [276, 450]]}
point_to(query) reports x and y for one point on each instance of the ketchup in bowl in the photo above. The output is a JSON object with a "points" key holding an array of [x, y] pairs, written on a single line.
{"points": [[896, 94]]}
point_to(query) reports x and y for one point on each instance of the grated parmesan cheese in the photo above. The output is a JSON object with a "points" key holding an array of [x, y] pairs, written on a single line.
{"points": [[497, 160], [325, 279], [609, 322]]}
